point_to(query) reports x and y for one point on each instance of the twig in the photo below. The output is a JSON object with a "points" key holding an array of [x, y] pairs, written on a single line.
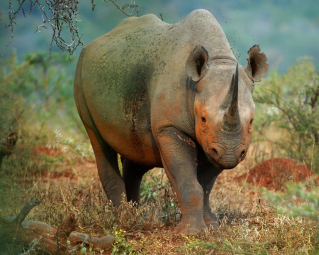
{"points": [[119, 7], [132, 5], [31, 249], [25, 210]]}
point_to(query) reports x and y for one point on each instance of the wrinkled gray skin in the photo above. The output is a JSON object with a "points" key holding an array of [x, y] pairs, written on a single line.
{"points": [[163, 95]]}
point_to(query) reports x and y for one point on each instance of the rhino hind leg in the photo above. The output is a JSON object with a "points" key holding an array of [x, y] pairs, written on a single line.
{"points": [[132, 176], [206, 176], [107, 165]]}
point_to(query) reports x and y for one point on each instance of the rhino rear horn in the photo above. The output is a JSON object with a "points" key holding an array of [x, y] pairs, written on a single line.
{"points": [[231, 120], [196, 63]]}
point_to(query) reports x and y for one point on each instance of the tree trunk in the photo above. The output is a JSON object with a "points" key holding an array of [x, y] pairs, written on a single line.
{"points": [[7, 146]]}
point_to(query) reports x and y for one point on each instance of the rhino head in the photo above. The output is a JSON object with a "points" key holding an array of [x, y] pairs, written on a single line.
{"points": [[223, 107]]}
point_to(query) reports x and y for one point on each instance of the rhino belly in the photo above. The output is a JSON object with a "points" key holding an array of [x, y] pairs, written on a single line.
{"points": [[125, 125]]}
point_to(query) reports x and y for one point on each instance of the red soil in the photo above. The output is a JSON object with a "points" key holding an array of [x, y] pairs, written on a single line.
{"points": [[56, 175], [273, 173], [45, 150]]}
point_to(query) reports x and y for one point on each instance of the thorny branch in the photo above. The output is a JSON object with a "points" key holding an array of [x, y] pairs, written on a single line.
{"points": [[59, 15], [134, 7], [31, 250]]}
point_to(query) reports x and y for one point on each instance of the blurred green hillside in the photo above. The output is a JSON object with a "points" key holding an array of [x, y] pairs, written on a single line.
{"points": [[285, 30]]}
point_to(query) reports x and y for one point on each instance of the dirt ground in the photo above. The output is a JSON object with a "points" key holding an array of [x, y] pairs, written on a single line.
{"points": [[72, 184]]}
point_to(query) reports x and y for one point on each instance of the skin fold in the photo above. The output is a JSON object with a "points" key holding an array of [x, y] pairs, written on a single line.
{"points": [[172, 96]]}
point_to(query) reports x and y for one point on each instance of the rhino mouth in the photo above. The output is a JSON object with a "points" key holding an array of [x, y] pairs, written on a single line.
{"points": [[226, 161]]}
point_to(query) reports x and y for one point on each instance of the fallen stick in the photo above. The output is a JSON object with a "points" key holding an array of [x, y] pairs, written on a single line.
{"points": [[49, 239]]}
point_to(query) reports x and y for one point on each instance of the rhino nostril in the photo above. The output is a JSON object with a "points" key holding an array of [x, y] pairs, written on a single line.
{"points": [[242, 155], [215, 154]]}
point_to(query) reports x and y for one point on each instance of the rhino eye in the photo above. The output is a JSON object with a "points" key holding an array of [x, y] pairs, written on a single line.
{"points": [[203, 119], [251, 122]]}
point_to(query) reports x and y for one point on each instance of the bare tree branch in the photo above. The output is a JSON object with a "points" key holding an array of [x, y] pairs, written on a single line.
{"points": [[25, 211], [59, 15]]}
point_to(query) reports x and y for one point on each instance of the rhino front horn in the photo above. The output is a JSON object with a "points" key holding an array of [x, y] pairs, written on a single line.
{"points": [[231, 120]]}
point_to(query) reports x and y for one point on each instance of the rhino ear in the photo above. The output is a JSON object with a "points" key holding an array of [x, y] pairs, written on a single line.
{"points": [[256, 66], [196, 63]]}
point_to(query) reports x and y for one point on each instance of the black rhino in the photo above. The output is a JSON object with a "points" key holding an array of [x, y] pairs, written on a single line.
{"points": [[172, 96]]}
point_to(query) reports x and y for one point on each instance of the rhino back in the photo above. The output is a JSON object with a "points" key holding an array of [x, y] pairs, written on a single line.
{"points": [[117, 70]]}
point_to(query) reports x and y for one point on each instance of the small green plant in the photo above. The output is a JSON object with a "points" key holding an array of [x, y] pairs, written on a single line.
{"points": [[151, 189], [120, 245], [160, 187], [83, 250]]}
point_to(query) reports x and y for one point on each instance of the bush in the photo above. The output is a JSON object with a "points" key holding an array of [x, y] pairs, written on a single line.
{"points": [[290, 102], [300, 199], [36, 95], [10, 103]]}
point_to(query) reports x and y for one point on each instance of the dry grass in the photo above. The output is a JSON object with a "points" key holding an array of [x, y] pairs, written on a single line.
{"points": [[68, 183]]}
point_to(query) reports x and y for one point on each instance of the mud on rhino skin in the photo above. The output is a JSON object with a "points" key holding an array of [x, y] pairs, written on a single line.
{"points": [[172, 96]]}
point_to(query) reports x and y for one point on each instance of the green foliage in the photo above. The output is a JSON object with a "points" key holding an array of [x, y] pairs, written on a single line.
{"points": [[304, 193], [36, 92], [290, 102], [38, 79], [10, 103], [151, 189]]}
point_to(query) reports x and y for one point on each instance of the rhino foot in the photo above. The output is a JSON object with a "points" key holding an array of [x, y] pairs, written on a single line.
{"points": [[211, 220], [211, 224], [189, 229]]}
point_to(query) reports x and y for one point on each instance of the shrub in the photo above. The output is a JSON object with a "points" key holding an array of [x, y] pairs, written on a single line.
{"points": [[299, 199], [290, 102], [36, 95]]}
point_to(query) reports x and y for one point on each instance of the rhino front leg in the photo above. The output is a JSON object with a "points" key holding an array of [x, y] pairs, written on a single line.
{"points": [[179, 157], [207, 175]]}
